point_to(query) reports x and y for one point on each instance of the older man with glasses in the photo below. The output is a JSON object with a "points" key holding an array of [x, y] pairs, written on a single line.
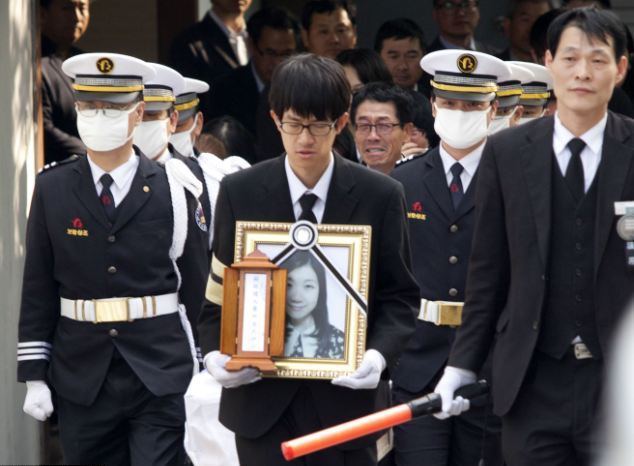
{"points": [[457, 21]]}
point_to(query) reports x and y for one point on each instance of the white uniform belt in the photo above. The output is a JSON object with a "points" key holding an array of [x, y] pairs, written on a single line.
{"points": [[119, 309], [441, 312]]}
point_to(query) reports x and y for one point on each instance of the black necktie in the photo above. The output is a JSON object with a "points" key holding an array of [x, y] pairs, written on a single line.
{"points": [[307, 201], [455, 187], [106, 197], [574, 173]]}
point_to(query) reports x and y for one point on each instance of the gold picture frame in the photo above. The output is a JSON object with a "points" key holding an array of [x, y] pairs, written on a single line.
{"points": [[344, 253]]}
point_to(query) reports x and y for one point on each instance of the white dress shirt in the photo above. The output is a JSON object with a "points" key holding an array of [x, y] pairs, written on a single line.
{"points": [[122, 176], [298, 189], [237, 40], [469, 164], [591, 153]]}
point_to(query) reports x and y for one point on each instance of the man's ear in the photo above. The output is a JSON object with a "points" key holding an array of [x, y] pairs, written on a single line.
{"points": [[198, 128], [173, 121], [515, 118], [548, 59], [342, 121], [276, 120], [138, 111]]}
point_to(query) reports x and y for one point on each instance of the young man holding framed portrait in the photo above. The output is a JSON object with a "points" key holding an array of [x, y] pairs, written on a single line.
{"points": [[309, 99]]}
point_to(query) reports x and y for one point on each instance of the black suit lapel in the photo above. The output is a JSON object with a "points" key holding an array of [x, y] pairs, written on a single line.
{"points": [[139, 193], [436, 183], [341, 199], [86, 192], [616, 160], [537, 161], [216, 39], [276, 201]]}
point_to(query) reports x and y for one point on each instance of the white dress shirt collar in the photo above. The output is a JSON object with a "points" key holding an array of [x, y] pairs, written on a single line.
{"points": [[122, 177], [298, 189], [469, 164]]}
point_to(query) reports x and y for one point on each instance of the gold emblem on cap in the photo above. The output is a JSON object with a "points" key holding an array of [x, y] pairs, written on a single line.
{"points": [[467, 63], [146, 189], [105, 65]]}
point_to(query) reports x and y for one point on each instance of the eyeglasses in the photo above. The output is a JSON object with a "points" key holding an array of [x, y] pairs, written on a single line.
{"points": [[315, 129], [382, 129], [451, 6], [110, 112]]}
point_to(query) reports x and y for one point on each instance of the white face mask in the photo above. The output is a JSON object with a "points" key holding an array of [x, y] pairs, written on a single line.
{"points": [[524, 120], [500, 123], [461, 129], [152, 137], [182, 141], [103, 133]]}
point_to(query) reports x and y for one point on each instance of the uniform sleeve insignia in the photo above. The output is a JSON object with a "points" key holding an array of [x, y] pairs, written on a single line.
{"points": [[199, 215]]}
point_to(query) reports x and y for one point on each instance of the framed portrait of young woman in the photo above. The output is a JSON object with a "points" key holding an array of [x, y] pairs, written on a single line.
{"points": [[328, 270]]}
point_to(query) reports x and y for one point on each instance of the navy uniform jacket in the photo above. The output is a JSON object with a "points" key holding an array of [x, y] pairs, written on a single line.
{"points": [[356, 196], [73, 252], [437, 232]]}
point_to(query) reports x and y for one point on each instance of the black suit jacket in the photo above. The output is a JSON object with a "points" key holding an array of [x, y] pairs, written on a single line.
{"points": [[61, 139], [236, 95], [203, 52], [60, 264], [356, 196], [507, 276], [431, 216]]}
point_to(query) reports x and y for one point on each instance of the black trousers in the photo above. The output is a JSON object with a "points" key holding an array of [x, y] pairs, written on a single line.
{"points": [[553, 420], [300, 418], [126, 425], [458, 441]]}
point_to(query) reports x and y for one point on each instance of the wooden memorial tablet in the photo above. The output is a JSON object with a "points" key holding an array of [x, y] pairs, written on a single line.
{"points": [[253, 313]]}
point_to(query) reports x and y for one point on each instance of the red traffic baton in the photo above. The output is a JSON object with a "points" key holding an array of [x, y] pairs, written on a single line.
{"points": [[476, 393]]}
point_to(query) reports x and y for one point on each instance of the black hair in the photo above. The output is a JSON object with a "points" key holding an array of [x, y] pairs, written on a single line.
{"points": [[596, 24], [320, 312], [539, 32], [45, 3], [236, 139], [422, 116], [367, 63], [516, 3], [399, 28], [310, 85], [322, 6], [383, 92], [601, 3], [272, 17]]}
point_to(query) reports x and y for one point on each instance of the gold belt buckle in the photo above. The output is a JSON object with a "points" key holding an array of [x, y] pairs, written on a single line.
{"points": [[582, 351], [449, 314], [111, 311]]}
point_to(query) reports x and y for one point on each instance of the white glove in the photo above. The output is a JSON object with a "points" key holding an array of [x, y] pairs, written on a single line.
{"points": [[452, 379], [367, 374], [215, 364], [38, 402]]}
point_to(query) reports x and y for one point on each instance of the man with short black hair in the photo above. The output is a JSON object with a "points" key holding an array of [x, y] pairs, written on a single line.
{"points": [[215, 45], [517, 27], [457, 21], [262, 413], [382, 122], [549, 278], [63, 22], [272, 38], [327, 27], [401, 44]]}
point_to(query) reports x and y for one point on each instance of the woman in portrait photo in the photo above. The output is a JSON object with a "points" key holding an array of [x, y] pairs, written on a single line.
{"points": [[309, 334]]}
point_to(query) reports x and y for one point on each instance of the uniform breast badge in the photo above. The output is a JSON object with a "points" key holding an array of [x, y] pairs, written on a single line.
{"points": [[76, 228]]}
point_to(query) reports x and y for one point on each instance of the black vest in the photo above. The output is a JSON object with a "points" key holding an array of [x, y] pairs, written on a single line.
{"points": [[569, 302]]}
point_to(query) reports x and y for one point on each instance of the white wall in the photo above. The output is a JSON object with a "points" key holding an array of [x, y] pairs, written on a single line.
{"points": [[18, 433]]}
